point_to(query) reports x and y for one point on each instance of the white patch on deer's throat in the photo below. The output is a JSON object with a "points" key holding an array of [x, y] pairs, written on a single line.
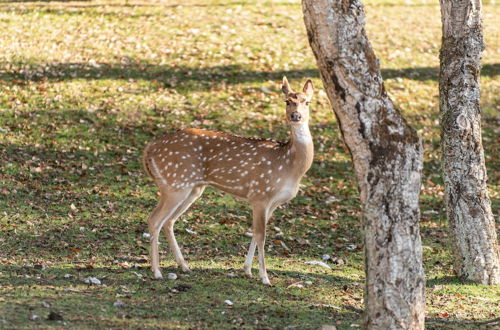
{"points": [[301, 133]]}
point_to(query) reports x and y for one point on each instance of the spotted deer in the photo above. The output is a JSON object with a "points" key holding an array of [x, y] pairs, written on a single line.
{"points": [[263, 172]]}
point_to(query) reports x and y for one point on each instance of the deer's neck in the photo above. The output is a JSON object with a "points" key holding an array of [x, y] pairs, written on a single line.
{"points": [[301, 148]]}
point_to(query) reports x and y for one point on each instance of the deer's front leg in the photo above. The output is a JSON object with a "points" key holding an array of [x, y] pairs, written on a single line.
{"points": [[259, 235]]}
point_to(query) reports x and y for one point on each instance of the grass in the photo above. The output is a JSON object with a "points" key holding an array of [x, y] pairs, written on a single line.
{"points": [[84, 85]]}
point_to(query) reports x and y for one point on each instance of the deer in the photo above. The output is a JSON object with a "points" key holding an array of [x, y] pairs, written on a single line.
{"points": [[264, 172]]}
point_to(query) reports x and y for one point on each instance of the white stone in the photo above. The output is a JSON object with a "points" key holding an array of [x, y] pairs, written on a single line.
{"points": [[92, 280]]}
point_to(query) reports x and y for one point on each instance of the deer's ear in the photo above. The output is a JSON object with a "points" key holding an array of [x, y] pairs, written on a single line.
{"points": [[308, 89], [286, 87]]}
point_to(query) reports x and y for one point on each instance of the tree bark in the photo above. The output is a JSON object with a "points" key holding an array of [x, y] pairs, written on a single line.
{"points": [[475, 247], [387, 158]]}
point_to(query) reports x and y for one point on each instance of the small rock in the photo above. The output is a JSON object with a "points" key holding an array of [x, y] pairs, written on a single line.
{"points": [[231, 275], [296, 285], [303, 241], [266, 90], [119, 304], [248, 234], [228, 302], [351, 247], [45, 304], [355, 325], [54, 316], [34, 317], [146, 235], [139, 275], [338, 261], [3, 130], [325, 257], [319, 263], [328, 327], [92, 280], [172, 276], [67, 275], [331, 199], [190, 231], [308, 282]]}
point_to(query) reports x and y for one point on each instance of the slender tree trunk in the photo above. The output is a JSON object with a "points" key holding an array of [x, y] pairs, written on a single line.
{"points": [[387, 157], [468, 207]]}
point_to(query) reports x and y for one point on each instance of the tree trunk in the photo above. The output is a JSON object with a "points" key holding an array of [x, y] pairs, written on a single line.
{"points": [[387, 157], [468, 207]]}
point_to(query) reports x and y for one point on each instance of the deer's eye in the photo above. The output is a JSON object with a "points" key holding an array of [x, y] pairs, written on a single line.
{"points": [[287, 102], [307, 103]]}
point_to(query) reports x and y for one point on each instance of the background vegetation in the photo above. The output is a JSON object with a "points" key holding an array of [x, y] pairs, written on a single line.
{"points": [[85, 84]]}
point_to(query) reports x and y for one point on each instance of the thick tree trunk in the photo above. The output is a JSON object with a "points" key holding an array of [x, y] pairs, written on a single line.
{"points": [[387, 157], [468, 207]]}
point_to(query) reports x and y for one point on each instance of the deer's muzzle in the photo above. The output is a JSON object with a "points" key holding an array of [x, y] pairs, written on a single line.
{"points": [[295, 116]]}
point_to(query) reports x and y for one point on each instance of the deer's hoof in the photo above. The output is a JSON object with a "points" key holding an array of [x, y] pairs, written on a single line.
{"points": [[158, 275], [247, 270], [185, 269], [266, 281]]}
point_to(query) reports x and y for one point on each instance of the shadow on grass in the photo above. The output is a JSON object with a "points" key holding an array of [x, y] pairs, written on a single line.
{"points": [[432, 73], [444, 280], [203, 292], [189, 78]]}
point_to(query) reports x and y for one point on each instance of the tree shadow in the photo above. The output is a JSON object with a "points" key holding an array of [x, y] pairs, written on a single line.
{"points": [[170, 77], [41, 7], [187, 78], [432, 73], [444, 280], [197, 291]]}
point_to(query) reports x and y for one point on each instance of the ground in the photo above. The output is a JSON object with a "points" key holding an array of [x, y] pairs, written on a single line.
{"points": [[84, 85]]}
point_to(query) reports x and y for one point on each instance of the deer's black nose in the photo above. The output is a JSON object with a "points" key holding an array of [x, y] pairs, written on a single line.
{"points": [[295, 116]]}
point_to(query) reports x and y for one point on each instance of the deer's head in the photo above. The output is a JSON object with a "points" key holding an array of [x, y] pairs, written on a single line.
{"points": [[297, 104]]}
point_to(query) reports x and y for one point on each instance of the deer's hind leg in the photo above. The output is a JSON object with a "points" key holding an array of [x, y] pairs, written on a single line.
{"points": [[168, 228], [170, 201]]}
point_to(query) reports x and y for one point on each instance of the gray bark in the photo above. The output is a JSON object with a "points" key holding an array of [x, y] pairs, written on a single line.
{"points": [[387, 158], [475, 247]]}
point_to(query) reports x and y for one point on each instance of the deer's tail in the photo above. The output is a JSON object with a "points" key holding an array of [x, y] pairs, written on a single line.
{"points": [[146, 160]]}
